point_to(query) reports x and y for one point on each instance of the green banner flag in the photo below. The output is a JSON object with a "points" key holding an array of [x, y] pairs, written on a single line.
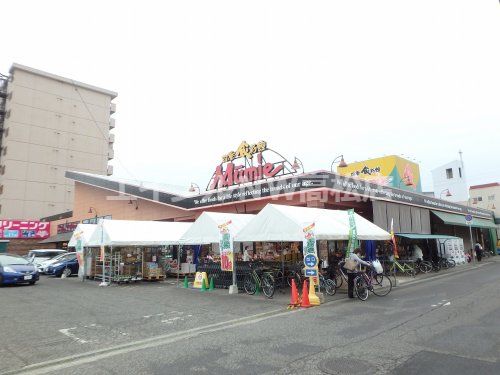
{"points": [[353, 233]]}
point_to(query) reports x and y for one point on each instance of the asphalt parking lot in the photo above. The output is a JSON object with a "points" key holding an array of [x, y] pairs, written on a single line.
{"points": [[64, 318]]}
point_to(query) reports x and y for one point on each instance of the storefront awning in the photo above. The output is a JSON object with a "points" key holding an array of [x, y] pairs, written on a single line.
{"points": [[59, 237], [415, 236], [454, 219]]}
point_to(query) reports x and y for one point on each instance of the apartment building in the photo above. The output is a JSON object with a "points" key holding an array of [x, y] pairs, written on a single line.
{"points": [[49, 125], [449, 182]]}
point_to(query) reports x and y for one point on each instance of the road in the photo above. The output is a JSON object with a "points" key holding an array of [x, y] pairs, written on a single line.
{"points": [[442, 325]]}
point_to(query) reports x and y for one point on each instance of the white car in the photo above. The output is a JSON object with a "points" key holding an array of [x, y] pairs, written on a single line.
{"points": [[38, 256], [42, 267]]}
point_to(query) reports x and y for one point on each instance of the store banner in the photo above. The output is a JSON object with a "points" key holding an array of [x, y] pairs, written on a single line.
{"points": [[14, 229], [393, 239], [226, 247], [79, 253], [102, 254], [310, 251], [353, 234]]}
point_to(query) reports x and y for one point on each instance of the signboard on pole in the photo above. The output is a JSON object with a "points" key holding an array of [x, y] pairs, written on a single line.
{"points": [[310, 251], [468, 219], [226, 247], [353, 233]]}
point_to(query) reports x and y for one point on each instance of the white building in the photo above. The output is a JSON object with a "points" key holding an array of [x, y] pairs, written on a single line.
{"points": [[450, 183], [49, 124]]}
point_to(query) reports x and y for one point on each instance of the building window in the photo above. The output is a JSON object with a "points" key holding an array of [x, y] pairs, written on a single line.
{"points": [[449, 173], [491, 197], [2, 169], [4, 150], [479, 199], [474, 200], [460, 172], [1, 189]]}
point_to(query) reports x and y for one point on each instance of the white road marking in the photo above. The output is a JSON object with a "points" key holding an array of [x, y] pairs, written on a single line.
{"points": [[152, 342], [147, 316], [66, 332], [433, 305], [447, 304], [171, 320]]}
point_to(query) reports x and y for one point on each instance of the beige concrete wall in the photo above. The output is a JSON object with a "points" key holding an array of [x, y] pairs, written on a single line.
{"points": [[485, 193], [50, 130], [106, 202]]}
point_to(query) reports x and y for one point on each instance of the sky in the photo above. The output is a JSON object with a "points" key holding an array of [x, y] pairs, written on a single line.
{"points": [[314, 79]]}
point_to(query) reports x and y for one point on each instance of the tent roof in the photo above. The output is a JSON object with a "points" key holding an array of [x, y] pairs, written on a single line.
{"points": [[137, 233], [84, 232], [285, 223], [205, 229]]}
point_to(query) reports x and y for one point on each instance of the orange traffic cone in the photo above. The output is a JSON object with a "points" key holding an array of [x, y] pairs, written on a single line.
{"points": [[305, 295], [294, 298]]}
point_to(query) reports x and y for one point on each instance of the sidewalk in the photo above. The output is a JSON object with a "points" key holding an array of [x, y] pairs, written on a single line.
{"points": [[281, 297]]}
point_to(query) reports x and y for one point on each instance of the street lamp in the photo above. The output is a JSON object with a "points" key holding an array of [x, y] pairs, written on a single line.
{"points": [[93, 210], [342, 163], [193, 188], [297, 164], [447, 191], [132, 202]]}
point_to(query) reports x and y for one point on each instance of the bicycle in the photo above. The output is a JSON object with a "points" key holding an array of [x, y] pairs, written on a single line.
{"points": [[254, 280], [446, 263], [370, 281], [327, 284], [403, 267], [423, 266], [340, 275]]}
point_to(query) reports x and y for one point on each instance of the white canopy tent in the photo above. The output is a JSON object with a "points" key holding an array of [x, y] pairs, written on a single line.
{"points": [[137, 233], [205, 229], [278, 223], [82, 232]]}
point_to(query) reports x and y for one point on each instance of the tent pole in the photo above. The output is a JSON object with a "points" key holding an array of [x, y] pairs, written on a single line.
{"points": [[179, 248]]}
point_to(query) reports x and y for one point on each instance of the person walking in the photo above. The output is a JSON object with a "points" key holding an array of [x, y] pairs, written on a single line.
{"points": [[351, 274], [479, 251]]}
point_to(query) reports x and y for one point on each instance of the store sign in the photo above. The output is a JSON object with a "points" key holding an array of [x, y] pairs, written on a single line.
{"points": [[226, 246], [310, 251], [252, 166], [13, 229]]}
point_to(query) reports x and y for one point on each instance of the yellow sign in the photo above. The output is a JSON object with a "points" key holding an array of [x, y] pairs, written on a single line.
{"points": [[245, 150], [198, 280], [393, 171]]}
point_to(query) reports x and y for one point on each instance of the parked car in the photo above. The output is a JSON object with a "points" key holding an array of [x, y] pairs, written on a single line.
{"points": [[67, 266], [38, 256], [42, 267], [15, 269]]}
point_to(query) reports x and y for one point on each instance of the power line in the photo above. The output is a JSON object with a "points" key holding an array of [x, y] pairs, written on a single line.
{"points": [[106, 138]]}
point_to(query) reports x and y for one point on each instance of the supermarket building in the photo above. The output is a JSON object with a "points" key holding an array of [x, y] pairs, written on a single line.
{"points": [[409, 212]]}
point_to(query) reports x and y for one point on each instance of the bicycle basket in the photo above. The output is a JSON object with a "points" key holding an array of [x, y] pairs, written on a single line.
{"points": [[377, 266]]}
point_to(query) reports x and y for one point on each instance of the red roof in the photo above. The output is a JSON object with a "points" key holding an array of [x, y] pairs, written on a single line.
{"points": [[492, 184]]}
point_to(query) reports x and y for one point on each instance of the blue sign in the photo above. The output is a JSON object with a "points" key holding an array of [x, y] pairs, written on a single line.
{"points": [[310, 260], [311, 272], [468, 218]]}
